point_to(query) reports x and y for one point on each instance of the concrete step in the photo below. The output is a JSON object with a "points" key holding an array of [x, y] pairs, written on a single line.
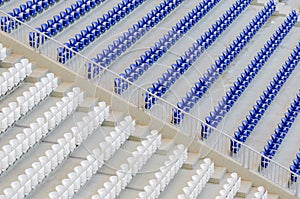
{"points": [[273, 196], [62, 89], [245, 189], [88, 104], [140, 133], [253, 190], [114, 118], [166, 145], [11, 59], [218, 175], [192, 161], [37, 74]]}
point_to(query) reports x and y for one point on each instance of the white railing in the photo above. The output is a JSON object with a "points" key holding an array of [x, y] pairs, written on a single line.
{"points": [[218, 140]]}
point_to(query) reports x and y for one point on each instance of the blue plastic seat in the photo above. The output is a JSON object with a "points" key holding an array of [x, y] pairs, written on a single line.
{"points": [[118, 86], [38, 7], [264, 161], [45, 4], [68, 53]]}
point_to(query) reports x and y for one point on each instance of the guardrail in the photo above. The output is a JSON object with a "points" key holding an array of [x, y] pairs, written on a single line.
{"points": [[219, 141]]}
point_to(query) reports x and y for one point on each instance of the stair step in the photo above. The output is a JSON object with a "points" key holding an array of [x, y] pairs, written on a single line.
{"points": [[62, 89], [87, 104], [218, 175], [140, 133], [191, 161], [253, 190], [114, 118], [257, 3], [11, 60], [246, 187], [273, 196], [37, 74], [166, 145]]}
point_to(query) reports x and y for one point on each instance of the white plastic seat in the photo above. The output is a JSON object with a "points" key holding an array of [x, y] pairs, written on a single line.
{"points": [[45, 167], [88, 122], [35, 128], [16, 186], [53, 195], [108, 187], [24, 141], [78, 170], [30, 135], [234, 176], [60, 189], [47, 86], [75, 179], [8, 115], [4, 161], [22, 71], [32, 181], [125, 169], [27, 185], [51, 161], [71, 140], [22, 179], [29, 98], [93, 162], [227, 187], [67, 183], [50, 118], [78, 96], [3, 85], [9, 192], [42, 125], [23, 104], [2, 53], [97, 154], [38, 171], [3, 122], [42, 89], [89, 170], [84, 175], [64, 145], [64, 111], [114, 181], [24, 62], [16, 76], [10, 153], [102, 193], [35, 173], [28, 66], [9, 78], [223, 193], [16, 110], [77, 134], [83, 129], [57, 114], [59, 151], [94, 119], [36, 94], [17, 147]]}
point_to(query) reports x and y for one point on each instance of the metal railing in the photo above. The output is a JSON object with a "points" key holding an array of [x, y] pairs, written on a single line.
{"points": [[218, 140]]}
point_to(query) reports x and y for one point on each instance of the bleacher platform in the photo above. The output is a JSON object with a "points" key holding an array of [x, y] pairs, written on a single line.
{"points": [[141, 99]]}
